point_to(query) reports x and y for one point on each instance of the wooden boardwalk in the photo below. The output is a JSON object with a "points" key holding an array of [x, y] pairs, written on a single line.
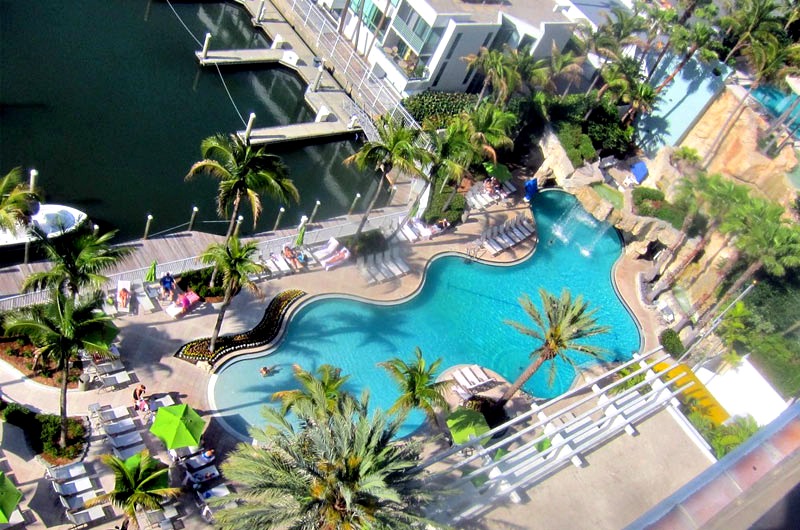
{"points": [[298, 131]]}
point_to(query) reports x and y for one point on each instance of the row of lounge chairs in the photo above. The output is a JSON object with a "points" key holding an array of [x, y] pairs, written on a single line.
{"points": [[331, 255], [383, 266], [498, 238], [479, 199], [414, 230], [75, 486], [110, 372], [201, 474], [471, 380]]}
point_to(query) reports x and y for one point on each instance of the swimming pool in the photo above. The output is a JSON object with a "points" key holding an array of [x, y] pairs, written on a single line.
{"points": [[457, 315], [777, 102]]}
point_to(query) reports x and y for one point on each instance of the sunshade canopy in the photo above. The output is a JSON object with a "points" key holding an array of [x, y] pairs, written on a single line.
{"points": [[178, 426], [9, 498]]}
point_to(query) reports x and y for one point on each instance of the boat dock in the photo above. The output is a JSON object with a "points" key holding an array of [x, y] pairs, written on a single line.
{"points": [[297, 131], [244, 57]]}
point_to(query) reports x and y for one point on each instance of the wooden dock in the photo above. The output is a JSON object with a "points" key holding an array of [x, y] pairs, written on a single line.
{"points": [[252, 56], [298, 131]]}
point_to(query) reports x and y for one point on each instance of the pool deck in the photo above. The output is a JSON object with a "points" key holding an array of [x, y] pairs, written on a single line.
{"points": [[148, 342]]}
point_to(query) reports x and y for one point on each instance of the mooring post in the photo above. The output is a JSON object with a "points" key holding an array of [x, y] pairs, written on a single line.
{"points": [[238, 226], [314, 212], [260, 11], [391, 194], [34, 174], [278, 219], [353, 204], [206, 43], [147, 226], [95, 229], [318, 79], [195, 209], [249, 128]]}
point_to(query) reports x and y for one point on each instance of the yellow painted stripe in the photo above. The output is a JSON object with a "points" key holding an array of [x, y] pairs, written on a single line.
{"points": [[698, 392]]}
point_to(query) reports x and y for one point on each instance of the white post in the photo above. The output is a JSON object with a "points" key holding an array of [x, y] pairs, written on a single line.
{"points": [[195, 209], [346, 66], [391, 194], [313, 213], [238, 225], [34, 174], [278, 219], [318, 79], [249, 128], [95, 229], [260, 11], [353, 205], [206, 43], [147, 226]]}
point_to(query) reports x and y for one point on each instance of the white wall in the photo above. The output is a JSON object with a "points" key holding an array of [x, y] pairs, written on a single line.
{"points": [[453, 68], [560, 32]]}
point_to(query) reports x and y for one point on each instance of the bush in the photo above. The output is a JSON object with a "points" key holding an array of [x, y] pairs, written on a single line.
{"points": [[438, 199], [50, 433], [672, 343], [438, 107], [367, 243], [650, 202], [198, 281], [686, 154], [577, 145], [18, 415]]}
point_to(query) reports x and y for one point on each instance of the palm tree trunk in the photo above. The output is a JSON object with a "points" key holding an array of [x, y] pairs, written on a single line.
{"points": [[521, 380], [726, 242], [566, 91], [218, 326], [744, 277], [783, 117], [231, 225], [63, 404], [687, 13], [680, 66], [661, 55], [450, 197], [371, 204], [482, 93], [343, 18], [357, 32], [600, 93]]}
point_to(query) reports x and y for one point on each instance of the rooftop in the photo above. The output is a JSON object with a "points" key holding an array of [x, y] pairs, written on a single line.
{"points": [[533, 12]]}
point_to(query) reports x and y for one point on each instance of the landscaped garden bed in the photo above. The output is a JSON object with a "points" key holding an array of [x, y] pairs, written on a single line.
{"points": [[20, 353], [42, 432]]}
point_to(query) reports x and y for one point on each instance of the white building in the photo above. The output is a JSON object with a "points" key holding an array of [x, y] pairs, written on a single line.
{"points": [[420, 43]]}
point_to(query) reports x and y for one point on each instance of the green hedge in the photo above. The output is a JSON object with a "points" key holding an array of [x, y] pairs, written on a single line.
{"points": [[367, 243], [198, 280], [438, 107], [650, 202], [672, 343], [43, 431], [577, 145], [438, 199]]}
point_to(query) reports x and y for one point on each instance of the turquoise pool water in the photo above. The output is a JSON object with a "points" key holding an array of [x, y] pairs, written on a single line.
{"points": [[458, 315], [776, 102]]}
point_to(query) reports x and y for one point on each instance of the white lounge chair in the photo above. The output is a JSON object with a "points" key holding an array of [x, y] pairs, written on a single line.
{"points": [[373, 269], [392, 265], [409, 233], [143, 300], [364, 271], [326, 251], [77, 502], [338, 258], [73, 487], [126, 453], [490, 244], [85, 517], [398, 259], [384, 267], [125, 440], [461, 379], [111, 382], [67, 472], [120, 426]]}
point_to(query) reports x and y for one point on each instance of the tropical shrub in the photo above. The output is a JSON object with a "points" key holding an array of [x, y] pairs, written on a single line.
{"points": [[578, 146], [365, 243], [672, 343], [198, 281], [438, 107], [42, 432], [686, 154], [630, 383], [650, 202], [261, 335], [438, 199]]}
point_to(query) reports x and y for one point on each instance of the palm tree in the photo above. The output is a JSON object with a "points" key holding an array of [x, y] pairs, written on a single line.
{"points": [[748, 21], [600, 43], [235, 260], [561, 324], [619, 77], [642, 98], [61, 330], [346, 472], [17, 202], [78, 260], [418, 386], [139, 482], [244, 173], [492, 65], [698, 40], [492, 126], [454, 150], [659, 24], [318, 396], [396, 148]]}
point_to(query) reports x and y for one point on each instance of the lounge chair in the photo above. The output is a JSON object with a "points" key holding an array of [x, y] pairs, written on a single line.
{"points": [[490, 244], [481, 374], [384, 267], [73, 487], [409, 233], [124, 306], [85, 517], [126, 453], [176, 309], [326, 251], [125, 424], [182, 453], [391, 265], [67, 472], [462, 393], [78, 501], [374, 269], [364, 271], [112, 415], [109, 367], [398, 259], [336, 259], [125, 440], [462, 380], [113, 381], [143, 300]]}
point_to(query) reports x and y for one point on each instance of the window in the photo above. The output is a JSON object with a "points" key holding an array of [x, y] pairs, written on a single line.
{"points": [[487, 40], [453, 45], [466, 77], [439, 73]]}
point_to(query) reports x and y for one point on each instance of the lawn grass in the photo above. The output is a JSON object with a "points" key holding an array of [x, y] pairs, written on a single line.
{"points": [[608, 193]]}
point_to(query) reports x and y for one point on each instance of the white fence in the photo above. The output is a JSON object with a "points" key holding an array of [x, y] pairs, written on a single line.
{"points": [[386, 223]]}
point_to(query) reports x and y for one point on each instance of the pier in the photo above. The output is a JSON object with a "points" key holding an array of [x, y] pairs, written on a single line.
{"points": [[244, 57], [297, 131]]}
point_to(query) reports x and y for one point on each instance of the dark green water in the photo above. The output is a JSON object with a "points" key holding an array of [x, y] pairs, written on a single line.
{"points": [[106, 99]]}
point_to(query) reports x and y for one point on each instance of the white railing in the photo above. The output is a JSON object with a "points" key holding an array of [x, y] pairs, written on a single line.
{"points": [[386, 223]]}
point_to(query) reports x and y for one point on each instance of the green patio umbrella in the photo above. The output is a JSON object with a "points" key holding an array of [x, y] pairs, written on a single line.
{"points": [[464, 422], [150, 277], [498, 171], [301, 234], [178, 426], [9, 497]]}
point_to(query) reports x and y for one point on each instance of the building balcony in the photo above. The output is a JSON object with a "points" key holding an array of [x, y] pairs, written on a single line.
{"points": [[407, 34]]}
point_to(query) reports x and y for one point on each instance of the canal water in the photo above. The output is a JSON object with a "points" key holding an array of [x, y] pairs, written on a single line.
{"points": [[105, 98]]}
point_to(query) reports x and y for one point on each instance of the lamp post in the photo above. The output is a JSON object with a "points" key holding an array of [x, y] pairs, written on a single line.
{"points": [[238, 226], [314, 212], [353, 204], [32, 181], [147, 226], [206, 43], [278, 219], [195, 209]]}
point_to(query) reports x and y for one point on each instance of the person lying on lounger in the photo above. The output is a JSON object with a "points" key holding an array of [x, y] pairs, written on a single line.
{"points": [[124, 297], [291, 257], [338, 257]]}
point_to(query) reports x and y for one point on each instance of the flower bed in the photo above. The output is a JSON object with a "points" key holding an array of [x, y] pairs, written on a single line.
{"points": [[261, 335]]}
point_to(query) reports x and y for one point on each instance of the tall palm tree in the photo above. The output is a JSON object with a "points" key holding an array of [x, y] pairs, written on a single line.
{"points": [[235, 261], [346, 472], [700, 41], [418, 386], [244, 173], [17, 202], [78, 260], [492, 126], [642, 98], [319, 393], [560, 326], [748, 21], [492, 64], [61, 330], [396, 148], [600, 43], [659, 24], [454, 150], [140, 482], [619, 77]]}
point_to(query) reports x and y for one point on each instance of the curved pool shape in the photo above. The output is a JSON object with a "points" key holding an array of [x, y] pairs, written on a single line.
{"points": [[457, 315]]}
